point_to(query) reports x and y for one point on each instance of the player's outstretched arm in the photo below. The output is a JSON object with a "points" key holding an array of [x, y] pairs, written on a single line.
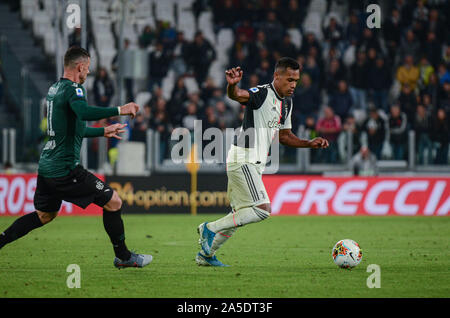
{"points": [[287, 138], [110, 131], [234, 76], [86, 112]]}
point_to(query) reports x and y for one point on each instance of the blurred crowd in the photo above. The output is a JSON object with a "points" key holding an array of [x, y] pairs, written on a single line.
{"points": [[374, 85]]}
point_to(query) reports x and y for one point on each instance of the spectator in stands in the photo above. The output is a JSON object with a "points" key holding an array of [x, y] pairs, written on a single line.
{"points": [[273, 29], [408, 102], [293, 17], [443, 73], [341, 101], [409, 46], [420, 12], [210, 119], [313, 70], [309, 41], [369, 40], [422, 128], [139, 129], [103, 88], [379, 80], [333, 74], [306, 100], [311, 132], [264, 72], [441, 137], [375, 128], [392, 33], [286, 47], [427, 104], [240, 45], [425, 70], [444, 97], [200, 56], [178, 55], [224, 14], [242, 60], [159, 62], [160, 123], [353, 30], [188, 121], [147, 37], [147, 113], [329, 127], [398, 137], [245, 27], [198, 6], [178, 96], [333, 33], [432, 89], [358, 80], [224, 115], [256, 46], [432, 49], [75, 38], [436, 24], [350, 126], [408, 73], [364, 163], [446, 57]]}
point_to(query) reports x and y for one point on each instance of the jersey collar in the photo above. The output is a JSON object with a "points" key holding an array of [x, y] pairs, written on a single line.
{"points": [[275, 91]]}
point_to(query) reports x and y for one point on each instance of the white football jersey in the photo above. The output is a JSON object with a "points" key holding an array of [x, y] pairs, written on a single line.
{"points": [[265, 113]]}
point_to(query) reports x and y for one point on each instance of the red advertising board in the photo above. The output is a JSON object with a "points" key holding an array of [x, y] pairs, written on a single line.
{"points": [[305, 195], [17, 192]]}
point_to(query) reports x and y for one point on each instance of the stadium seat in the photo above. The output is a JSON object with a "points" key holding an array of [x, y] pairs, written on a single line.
{"points": [[313, 23], [27, 9], [142, 98], [41, 23], [205, 24], [296, 37]]}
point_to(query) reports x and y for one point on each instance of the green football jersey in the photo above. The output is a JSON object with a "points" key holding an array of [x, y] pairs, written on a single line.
{"points": [[67, 113]]}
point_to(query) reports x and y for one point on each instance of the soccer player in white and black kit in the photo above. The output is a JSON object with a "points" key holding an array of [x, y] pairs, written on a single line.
{"points": [[268, 111]]}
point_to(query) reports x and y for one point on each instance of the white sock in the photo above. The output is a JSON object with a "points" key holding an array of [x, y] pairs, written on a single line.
{"points": [[239, 218], [220, 239]]}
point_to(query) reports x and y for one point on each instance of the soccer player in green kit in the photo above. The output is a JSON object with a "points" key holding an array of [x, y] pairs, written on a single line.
{"points": [[60, 176]]}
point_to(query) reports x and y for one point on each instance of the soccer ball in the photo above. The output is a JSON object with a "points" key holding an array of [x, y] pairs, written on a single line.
{"points": [[346, 253]]}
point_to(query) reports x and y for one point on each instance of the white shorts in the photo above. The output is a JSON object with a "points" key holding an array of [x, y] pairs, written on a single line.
{"points": [[245, 186]]}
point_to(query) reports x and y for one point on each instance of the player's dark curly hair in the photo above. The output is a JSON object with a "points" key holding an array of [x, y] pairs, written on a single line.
{"points": [[288, 62], [73, 55]]}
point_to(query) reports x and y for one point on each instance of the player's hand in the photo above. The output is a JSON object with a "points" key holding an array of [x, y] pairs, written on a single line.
{"points": [[112, 131], [318, 142], [129, 109], [234, 75]]}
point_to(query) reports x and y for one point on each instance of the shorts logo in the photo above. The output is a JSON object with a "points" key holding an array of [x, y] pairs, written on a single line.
{"points": [[100, 185], [79, 92]]}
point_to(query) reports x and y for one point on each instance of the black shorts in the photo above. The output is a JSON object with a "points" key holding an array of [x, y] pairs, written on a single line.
{"points": [[79, 187]]}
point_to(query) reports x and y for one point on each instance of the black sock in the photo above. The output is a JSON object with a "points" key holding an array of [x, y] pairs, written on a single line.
{"points": [[20, 227], [113, 224]]}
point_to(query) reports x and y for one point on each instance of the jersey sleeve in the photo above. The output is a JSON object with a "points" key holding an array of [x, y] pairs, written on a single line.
{"points": [[94, 132], [77, 101], [257, 97]]}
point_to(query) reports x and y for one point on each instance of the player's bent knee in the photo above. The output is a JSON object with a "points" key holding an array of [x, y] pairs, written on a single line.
{"points": [[266, 207], [114, 204], [46, 217]]}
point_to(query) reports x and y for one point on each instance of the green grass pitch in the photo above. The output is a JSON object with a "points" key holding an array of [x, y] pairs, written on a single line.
{"points": [[282, 257]]}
